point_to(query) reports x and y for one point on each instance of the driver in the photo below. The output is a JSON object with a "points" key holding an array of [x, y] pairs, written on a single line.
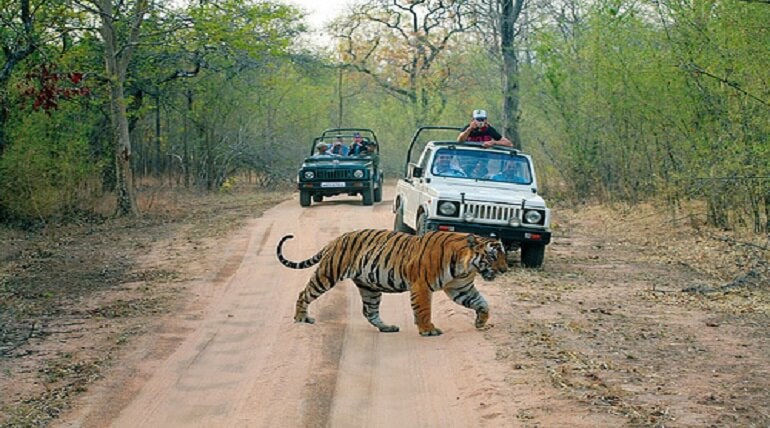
{"points": [[510, 173]]}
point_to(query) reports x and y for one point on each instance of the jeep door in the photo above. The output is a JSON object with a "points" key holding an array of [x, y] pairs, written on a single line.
{"points": [[418, 190]]}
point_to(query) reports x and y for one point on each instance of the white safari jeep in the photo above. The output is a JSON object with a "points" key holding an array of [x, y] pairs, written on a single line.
{"points": [[464, 187]]}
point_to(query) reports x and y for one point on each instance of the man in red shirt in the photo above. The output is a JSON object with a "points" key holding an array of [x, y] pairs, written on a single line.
{"points": [[480, 130]]}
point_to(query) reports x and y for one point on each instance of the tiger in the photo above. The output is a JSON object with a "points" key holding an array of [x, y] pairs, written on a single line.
{"points": [[384, 261]]}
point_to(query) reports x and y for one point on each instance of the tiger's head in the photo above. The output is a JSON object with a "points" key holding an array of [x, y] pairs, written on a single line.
{"points": [[488, 256]]}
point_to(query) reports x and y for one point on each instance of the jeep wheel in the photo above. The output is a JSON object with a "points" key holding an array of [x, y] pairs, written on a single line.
{"points": [[368, 195], [398, 223], [378, 192], [421, 224], [318, 198], [304, 199], [532, 255]]}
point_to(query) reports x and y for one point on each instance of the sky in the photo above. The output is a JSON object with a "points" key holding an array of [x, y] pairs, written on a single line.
{"points": [[320, 12]]}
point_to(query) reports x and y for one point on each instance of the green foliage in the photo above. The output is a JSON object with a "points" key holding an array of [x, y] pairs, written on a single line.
{"points": [[51, 171], [658, 99], [620, 101]]}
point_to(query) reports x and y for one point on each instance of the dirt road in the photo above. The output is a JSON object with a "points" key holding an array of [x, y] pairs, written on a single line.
{"points": [[245, 363], [601, 336]]}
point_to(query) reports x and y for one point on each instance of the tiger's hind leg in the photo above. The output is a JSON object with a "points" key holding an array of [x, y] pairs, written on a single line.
{"points": [[318, 285], [468, 296], [371, 300]]}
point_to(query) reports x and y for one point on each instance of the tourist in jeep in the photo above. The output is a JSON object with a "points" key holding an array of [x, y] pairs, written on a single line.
{"points": [[359, 145], [445, 165], [338, 148], [321, 150], [512, 172], [479, 130]]}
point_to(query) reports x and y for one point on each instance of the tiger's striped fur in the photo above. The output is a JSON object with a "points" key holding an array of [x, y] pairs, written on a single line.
{"points": [[383, 261]]}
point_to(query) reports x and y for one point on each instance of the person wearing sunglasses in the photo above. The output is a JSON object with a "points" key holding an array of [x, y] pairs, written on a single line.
{"points": [[479, 130]]}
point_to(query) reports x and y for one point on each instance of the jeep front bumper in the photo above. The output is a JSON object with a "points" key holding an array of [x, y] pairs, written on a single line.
{"points": [[507, 234], [334, 187]]}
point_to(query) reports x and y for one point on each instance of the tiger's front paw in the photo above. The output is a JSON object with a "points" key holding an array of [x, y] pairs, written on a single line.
{"points": [[431, 331], [304, 318], [388, 328]]}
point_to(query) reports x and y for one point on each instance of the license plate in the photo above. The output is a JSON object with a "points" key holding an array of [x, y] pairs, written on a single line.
{"points": [[333, 184]]}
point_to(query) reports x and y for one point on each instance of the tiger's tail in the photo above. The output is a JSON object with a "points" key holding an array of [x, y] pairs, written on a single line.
{"points": [[304, 264]]}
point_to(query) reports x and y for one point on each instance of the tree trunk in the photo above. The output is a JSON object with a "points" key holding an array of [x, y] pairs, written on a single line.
{"points": [[511, 9], [3, 119], [158, 161], [186, 164], [116, 63], [121, 141]]}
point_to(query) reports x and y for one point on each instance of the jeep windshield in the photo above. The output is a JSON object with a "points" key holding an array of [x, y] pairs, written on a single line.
{"points": [[481, 165]]}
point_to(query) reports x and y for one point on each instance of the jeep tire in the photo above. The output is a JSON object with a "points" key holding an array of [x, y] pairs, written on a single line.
{"points": [[398, 223], [304, 198], [422, 225], [532, 255], [368, 195], [378, 192]]}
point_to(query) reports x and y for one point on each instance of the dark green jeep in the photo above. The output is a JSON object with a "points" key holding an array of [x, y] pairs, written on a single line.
{"points": [[341, 161]]}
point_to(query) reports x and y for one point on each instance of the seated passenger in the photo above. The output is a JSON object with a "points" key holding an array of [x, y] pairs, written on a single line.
{"points": [[444, 165], [371, 148], [510, 174], [338, 148], [479, 170], [321, 150], [358, 147]]}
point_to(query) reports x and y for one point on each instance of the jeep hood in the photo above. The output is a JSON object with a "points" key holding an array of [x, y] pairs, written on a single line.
{"points": [[336, 163], [485, 191]]}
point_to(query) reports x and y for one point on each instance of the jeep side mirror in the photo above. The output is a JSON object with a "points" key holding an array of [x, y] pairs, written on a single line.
{"points": [[417, 172]]}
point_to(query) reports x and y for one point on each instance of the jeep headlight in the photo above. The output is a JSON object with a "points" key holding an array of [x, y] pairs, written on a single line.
{"points": [[359, 173], [532, 216], [309, 175], [448, 209]]}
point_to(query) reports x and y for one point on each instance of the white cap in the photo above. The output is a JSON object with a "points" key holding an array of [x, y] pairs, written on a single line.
{"points": [[479, 114]]}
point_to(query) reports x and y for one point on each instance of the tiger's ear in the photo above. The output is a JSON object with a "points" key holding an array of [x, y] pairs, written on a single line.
{"points": [[471, 240]]}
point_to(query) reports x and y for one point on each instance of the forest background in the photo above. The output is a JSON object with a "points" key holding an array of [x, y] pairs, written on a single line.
{"points": [[618, 100]]}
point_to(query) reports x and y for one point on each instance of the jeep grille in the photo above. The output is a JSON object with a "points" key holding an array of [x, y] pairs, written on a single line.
{"points": [[334, 174], [492, 213]]}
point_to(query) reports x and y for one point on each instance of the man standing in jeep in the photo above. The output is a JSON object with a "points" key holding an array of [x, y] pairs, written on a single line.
{"points": [[481, 131]]}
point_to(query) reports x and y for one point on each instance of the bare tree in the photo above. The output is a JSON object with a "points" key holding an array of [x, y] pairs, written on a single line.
{"points": [[400, 45]]}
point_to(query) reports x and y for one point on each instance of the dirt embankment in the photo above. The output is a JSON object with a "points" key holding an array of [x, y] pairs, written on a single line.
{"points": [[190, 325]]}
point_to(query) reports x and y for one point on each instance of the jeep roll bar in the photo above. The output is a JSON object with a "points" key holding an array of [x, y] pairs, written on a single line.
{"points": [[329, 133], [417, 134]]}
